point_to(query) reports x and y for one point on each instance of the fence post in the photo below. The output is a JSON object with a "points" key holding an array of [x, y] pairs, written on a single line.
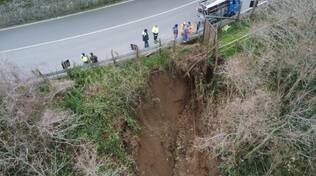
{"points": [[174, 46], [159, 40], [255, 4], [113, 56], [239, 9], [135, 48], [137, 52], [216, 50]]}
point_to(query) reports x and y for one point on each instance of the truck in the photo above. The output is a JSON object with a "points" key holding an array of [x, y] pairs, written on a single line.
{"points": [[213, 10]]}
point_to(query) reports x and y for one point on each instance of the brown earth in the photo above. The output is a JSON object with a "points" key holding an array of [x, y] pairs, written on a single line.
{"points": [[170, 122]]}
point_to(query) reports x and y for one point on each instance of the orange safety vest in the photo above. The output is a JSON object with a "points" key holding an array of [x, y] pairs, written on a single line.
{"points": [[190, 29]]}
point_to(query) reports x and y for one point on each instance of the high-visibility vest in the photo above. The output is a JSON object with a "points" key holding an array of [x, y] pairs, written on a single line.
{"points": [[190, 29], [181, 27], [84, 58], [155, 30]]}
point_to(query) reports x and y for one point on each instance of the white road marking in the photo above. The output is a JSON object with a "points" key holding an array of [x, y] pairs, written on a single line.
{"points": [[65, 16], [98, 31]]}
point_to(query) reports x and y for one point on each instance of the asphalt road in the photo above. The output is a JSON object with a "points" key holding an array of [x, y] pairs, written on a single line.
{"points": [[44, 45]]}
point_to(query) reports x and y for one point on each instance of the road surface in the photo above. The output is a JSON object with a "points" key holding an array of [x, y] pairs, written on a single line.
{"points": [[45, 44]]}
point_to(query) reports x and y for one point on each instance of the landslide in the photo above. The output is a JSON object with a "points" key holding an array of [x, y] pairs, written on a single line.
{"points": [[171, 121]]}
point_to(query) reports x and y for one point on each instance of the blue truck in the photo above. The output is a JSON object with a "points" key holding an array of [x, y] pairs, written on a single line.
{"points": [[218, 8]]}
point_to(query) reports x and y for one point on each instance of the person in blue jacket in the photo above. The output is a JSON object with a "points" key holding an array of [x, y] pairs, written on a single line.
{"points": [[186, 33]]}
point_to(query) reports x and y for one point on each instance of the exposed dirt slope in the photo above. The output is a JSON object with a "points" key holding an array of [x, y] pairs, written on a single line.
{"points": [[169, 127]]}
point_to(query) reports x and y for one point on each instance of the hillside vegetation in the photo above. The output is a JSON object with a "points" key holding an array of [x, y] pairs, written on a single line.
{"points": [[263, 101], [13, 12], [254, 114]]}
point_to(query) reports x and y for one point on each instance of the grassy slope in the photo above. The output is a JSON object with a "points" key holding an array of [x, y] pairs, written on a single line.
{"points": [[19, 12], [104, 99], [273, 133]]}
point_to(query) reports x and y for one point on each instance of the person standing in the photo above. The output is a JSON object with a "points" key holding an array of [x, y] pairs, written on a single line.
{"points": [[145, 38], [182, 25], [84, 58], [186, 33], [190, 28], [93, 58], [155, 32], [198, 25], [175, 31]]}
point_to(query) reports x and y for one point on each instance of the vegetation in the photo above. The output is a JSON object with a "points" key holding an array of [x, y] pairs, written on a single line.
{"points": [[265, 98], [13, 12], [260, 110], [104, 100], [38, 139]]}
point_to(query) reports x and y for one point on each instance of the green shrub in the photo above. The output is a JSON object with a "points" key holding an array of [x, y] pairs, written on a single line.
{"points": [[104, 99]]}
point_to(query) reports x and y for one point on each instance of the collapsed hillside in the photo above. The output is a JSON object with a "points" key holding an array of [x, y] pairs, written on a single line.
{"points": [[170, 124], [171, 113]]}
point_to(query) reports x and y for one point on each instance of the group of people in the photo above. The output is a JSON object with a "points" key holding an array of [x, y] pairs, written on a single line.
{"points": [[88, 59], [155, 31], [84, 58], [185, 29]]}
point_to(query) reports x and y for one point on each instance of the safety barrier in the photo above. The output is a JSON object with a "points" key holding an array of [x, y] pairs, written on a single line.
{"points": [[133, 54], [130, 55]]}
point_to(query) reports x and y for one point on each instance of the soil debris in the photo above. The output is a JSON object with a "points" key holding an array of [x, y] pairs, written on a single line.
{"points": [[169, 122]]}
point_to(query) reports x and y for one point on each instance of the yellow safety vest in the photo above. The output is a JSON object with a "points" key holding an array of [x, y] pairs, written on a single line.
{"points": [[155, 30], [84, 58]]}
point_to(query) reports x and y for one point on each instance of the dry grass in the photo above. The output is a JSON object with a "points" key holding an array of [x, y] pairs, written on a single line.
{"points": [[33, 137], [14, 12], [266, 109]]}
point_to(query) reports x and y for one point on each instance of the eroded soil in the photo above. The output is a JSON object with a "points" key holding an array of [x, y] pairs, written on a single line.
{"points": [[170, 123]]}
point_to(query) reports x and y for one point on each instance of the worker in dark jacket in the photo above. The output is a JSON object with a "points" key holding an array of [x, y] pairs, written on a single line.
{"points": [[145, 38], [175, 31], [93, 58]]}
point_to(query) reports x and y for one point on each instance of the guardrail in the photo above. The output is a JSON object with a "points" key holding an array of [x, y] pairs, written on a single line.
{"points": [[147, 51]]}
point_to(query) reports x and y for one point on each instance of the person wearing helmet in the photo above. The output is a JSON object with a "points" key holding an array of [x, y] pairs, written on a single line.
{"points": [[155, 32], [84, 58]]}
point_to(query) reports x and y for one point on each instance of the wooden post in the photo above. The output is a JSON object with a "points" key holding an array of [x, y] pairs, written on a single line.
{"points": [[255, 4], [137, 52], [113, 56], [159, 46], [239, 9], [215, 50], [135, 48], [204, 30]]}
